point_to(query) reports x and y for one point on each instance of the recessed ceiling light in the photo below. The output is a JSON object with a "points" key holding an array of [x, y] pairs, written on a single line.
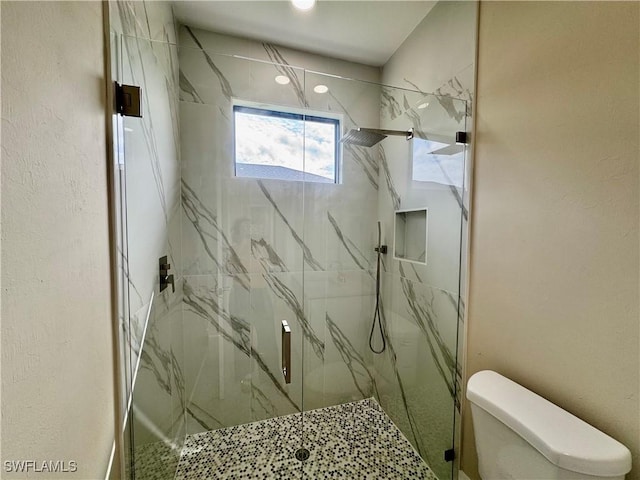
{"points": [[423, 105], [282, 79], [303, 4], [321, 89]]}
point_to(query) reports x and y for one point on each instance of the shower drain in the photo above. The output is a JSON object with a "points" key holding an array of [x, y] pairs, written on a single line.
{"points": [[302, 454]]}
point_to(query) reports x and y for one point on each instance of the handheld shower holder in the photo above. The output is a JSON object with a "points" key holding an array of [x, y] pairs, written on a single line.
{"points": [[381, 249]]}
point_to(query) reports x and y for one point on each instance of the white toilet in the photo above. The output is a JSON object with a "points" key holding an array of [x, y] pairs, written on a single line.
{"points": [[520, 435]]}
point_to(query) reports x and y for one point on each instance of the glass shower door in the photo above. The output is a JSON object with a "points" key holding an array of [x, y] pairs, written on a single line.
{"points": [[339, 220], [241, 234]]}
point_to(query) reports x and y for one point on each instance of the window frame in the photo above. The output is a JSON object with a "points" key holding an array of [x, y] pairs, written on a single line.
{"points": [[301, 114]]}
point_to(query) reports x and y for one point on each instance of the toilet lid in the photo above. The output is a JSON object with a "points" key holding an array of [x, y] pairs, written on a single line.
{"points": [[564, 439]]}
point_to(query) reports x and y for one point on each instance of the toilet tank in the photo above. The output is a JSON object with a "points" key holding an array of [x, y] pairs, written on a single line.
{"points": [[520, 435]]}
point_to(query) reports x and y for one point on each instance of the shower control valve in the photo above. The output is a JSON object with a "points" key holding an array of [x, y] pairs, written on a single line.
{"points": [[166, 278]]}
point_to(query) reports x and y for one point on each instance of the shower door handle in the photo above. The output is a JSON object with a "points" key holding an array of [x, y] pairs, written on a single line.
{"points": [[286, 351]]}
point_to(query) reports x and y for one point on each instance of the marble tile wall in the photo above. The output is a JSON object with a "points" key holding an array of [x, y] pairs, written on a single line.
{"points": [[144, 36], [151, 20], [256, 252]]}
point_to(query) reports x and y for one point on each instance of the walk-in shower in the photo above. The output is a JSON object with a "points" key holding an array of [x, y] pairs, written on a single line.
{"points": [[272, 207]]}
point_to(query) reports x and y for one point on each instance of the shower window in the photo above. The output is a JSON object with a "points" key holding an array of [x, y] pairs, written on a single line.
{"points": [[285, 145]]}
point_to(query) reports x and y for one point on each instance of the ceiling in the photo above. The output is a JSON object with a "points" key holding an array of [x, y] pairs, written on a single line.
{"points": [[362, 31]]}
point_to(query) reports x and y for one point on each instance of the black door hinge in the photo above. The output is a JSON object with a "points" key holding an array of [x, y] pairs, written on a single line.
{"points": [[128, 100], [462, 137], [449, 455]]}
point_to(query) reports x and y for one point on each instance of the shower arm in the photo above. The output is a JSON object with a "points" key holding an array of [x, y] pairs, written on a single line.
{"points": [[408, 134]]}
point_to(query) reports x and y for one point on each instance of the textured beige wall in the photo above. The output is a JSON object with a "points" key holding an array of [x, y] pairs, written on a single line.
{"points": [[57, 380], [554, 254]]}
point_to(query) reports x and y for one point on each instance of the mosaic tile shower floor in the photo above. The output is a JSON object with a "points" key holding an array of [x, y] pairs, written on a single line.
{"points": [[351, 441]]}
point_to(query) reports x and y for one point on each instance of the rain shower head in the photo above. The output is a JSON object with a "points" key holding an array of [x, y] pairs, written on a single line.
{"points": [[368, 137]]}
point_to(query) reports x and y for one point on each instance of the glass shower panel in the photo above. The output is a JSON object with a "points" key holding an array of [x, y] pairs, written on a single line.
{"points": [[354, 398], [242, 249], [124, 327], [152, 189], [418, 370]]}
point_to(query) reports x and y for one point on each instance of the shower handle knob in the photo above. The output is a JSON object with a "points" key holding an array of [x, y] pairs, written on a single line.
{"points": [[167, 280]]}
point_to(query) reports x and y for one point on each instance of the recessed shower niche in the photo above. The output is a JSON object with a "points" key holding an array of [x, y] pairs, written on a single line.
{"points": [[410, 238]]}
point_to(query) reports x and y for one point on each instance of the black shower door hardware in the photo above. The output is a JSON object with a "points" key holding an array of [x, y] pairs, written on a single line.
{"points": [[128, 100], [286, 351]]}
